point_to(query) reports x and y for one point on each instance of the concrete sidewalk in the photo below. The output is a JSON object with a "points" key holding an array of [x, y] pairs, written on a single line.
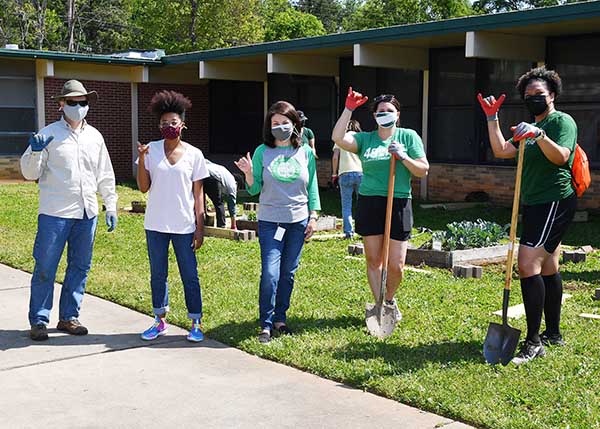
{"points": [[110, 378]]}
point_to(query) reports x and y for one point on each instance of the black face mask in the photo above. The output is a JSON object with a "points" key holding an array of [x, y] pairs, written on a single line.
{"points": [[536, 104]]}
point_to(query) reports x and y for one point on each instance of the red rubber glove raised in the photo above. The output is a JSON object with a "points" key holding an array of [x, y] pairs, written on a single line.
{"points": [[355, 99], [491, 106]]}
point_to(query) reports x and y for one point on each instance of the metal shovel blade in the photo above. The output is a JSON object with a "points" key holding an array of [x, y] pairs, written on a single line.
{"points": [[500, 343], [381, 321]]}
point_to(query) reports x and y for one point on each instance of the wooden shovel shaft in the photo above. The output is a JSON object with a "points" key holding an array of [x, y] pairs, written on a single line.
{"points": [[514, 217], [388, 229]]}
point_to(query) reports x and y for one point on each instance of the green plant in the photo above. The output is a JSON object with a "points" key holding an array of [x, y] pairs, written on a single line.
{"points": [[252, 216], [470, 234]]}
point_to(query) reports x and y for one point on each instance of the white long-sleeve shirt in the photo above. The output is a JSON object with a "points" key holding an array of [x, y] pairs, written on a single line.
{"points": [[71, 169]]}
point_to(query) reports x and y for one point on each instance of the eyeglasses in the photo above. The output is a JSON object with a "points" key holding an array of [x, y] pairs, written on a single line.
{"points": [[72, 103], [172, 123], [384, 98]]}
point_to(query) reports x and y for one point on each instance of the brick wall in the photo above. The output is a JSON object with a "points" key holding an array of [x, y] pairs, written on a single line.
{"points": [[452, 182], [197, 120], [111, 115], [10, 168]]}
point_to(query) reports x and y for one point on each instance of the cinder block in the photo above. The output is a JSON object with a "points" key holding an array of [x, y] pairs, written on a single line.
{"points": [[251, 207], [359, 249], [573, 256], [351, 249], [586, 249], [477, 271], [462, 271], [597, 295], [581, 216]]}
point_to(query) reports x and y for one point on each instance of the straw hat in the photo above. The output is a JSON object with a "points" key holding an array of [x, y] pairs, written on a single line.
{"points": [[74, 88]]}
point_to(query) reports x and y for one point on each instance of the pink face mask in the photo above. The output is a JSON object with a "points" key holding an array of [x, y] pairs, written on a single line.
{"points": [[170, 132]]}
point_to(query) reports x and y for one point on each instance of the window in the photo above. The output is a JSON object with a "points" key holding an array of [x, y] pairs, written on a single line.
{"points": [[406, 85], [315, 96], [451, 108], [17, 105], [577, 61], [236, 116]]}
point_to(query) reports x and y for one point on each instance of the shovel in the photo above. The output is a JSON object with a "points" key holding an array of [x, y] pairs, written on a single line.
{"points": [[501, 340], [380, 318]]}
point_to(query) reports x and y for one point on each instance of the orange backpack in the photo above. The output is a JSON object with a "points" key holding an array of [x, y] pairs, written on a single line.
{"points": [[580, 171]]}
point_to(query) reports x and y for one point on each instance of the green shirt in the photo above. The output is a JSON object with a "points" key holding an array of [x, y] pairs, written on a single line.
{"points": [[543, 181], [375, 158], [307, 135]]}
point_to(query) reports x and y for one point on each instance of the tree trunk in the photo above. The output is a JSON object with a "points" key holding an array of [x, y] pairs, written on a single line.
{"points": [[194, 15], [41, 31], [71, 25]]}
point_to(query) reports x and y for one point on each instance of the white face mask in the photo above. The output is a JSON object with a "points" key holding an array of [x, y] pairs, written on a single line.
{"points": [[75, 113], [386, 119]]}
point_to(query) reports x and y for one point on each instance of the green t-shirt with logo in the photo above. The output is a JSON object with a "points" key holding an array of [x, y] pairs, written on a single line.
{"points": [[543, 181], [375, 158]]}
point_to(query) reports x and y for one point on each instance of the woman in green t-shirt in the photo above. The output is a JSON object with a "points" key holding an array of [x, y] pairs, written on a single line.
{"points": [[374, 150], [548, 198]]}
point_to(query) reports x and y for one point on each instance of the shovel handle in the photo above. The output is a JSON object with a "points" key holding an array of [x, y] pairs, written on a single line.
{"points": [[514, 217], [388, 227]]}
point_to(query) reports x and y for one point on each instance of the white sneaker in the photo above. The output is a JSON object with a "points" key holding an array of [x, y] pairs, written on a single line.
{"points": [[394, 303]]}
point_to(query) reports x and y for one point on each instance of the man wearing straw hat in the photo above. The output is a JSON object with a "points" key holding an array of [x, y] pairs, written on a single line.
{"points": [[71, 163]]}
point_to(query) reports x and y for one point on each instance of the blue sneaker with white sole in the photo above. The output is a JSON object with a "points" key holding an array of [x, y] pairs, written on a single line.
{"points": [[195, 335], [158, 328]]}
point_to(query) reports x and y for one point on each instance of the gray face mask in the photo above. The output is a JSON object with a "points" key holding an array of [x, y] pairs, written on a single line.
{"points": [[282, 132]]}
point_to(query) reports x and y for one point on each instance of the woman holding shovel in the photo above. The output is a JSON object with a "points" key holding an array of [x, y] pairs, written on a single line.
{"points": [[548, 198], [374, 150], [284, 172]]}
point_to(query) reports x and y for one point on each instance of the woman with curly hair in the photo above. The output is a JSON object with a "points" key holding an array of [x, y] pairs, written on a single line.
{"points": [[548, 197], [172, 171], [283, 171]]}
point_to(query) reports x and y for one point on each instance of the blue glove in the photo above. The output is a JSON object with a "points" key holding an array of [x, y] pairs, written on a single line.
{"points": [[111, 221], [39, 141], [398, 151]]}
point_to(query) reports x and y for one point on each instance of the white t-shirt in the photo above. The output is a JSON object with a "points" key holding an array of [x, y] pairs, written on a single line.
{"points": [[170, 206]]}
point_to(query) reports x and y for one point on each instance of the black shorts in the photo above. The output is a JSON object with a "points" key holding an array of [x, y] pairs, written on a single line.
{"points": [[546, 224], [370, 217]]}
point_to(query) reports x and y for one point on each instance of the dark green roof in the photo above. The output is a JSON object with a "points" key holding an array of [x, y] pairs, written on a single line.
{"points": [[69, 56], [507, 20], [410, 31]]}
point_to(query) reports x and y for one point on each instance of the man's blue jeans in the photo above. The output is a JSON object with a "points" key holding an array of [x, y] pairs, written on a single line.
{"points": [[349, 183], [158, 253], [279, 262], [52, 236]]}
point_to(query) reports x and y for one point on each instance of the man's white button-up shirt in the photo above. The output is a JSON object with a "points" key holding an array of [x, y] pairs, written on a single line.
{"points": [[71, 169]]}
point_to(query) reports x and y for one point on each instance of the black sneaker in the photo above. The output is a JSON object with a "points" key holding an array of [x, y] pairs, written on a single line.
{"points": [[552, 339], [529, 351], [283, 330], [38, 332], [264, 337]]}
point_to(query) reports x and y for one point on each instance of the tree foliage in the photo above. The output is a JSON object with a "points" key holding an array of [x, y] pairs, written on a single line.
{"points": [[495, 6], [284, 22]]}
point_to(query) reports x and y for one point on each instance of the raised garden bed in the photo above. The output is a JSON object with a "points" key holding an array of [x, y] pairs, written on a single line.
{"points": [[324, 223], [447, 259]]}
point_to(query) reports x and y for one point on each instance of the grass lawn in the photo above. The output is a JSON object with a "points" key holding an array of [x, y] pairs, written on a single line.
{"points": [[433, 360]]}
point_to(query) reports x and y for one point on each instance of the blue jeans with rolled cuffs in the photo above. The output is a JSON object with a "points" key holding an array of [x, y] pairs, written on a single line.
{"points": [[349, 183], [279, 262], [53, 234], [158, 253]]}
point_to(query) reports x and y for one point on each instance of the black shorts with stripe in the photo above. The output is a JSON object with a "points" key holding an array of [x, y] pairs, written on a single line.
{"points": [[370, 217], [546, 224]]}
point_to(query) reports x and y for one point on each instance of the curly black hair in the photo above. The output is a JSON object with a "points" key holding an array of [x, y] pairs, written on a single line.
{"points": [[169, 102], [551, 78]]}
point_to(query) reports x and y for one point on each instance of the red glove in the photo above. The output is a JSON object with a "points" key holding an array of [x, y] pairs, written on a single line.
{"points": [[334, 180], [491, 106], [355, 99]]}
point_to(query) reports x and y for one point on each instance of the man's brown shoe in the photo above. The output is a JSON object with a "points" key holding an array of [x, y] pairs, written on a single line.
{"points": [[38, 332], [73, 327]]}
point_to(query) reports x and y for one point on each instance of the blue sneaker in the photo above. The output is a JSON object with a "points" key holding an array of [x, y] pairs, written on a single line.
{"points": [[196, 334], [157, 329]]}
